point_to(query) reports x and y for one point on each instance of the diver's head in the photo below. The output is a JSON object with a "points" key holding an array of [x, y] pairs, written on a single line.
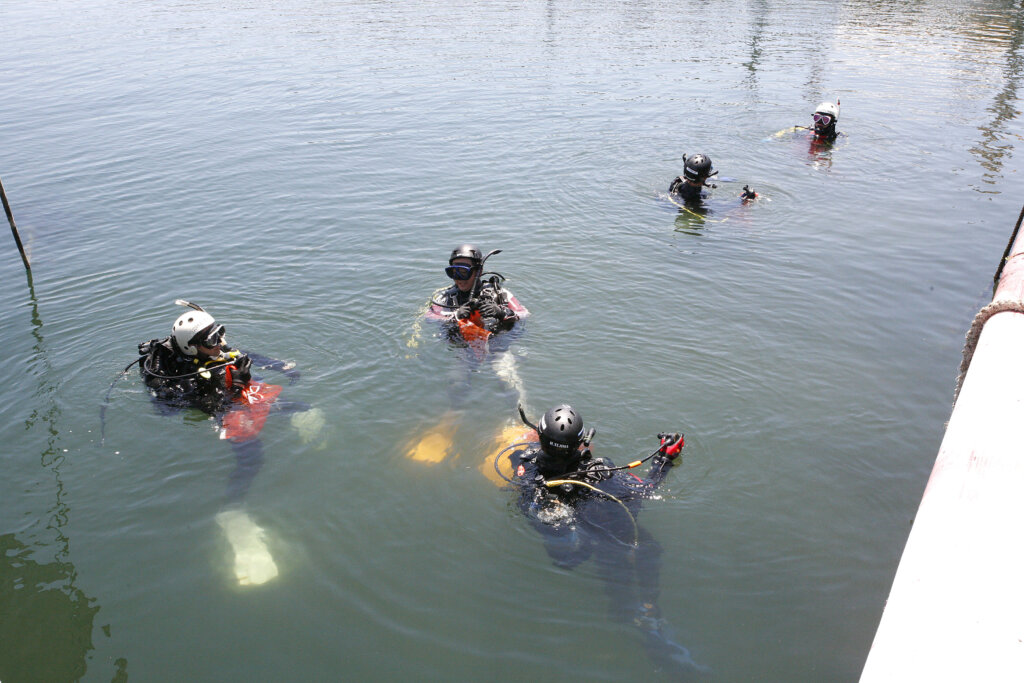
{"points": [[464, 266], [196, 333], [697, 168], [561, 433], [826, 116]]}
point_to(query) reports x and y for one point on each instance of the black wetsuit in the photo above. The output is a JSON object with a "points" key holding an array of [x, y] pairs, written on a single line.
{"points": [[451, 298], [174, 380], [686, 191], [826, 134], [578, 523], [566, 509]]}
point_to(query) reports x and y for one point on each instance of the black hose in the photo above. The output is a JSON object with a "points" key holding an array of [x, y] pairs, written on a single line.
{"points": [[149, 371], [522, 416], [106, 399], [505, 450], [629, 466], [1009, 246]]}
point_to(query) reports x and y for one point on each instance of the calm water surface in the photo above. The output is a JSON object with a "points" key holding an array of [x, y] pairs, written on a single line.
{"points": [[303, 169]]}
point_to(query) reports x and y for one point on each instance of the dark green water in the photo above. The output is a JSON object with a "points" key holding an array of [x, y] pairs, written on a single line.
{"points": [[303, 170]]}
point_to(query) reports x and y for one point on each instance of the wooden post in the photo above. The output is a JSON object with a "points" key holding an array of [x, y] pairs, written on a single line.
{"points": [[14, 228]]}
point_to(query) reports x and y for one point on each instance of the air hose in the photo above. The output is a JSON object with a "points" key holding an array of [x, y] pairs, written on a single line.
{"points": [[632, 519]]}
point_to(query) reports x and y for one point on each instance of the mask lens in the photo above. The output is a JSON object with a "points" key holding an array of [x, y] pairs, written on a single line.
{"points": [[459, 272], [823, 119], [215, 337]]}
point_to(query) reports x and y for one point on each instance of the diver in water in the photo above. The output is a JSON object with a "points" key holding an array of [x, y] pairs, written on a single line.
{"points": [[195, 368], [480, 315], [472, 293], [825, 117], [585, 506], [690, 187]]}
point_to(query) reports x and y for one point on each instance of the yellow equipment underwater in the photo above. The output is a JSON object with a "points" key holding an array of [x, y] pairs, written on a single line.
{"points": [[436, 445], [496, 469]]}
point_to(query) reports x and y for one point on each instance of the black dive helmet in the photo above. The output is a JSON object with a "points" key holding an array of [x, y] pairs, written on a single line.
{"points": [[467, 251], [697, 167], [561, 433]]}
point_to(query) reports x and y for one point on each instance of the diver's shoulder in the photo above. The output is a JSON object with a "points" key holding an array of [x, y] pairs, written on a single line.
{"points": [[448, 292]]}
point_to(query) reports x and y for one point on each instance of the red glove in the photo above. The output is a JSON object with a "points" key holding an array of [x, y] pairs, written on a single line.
{"points": [[671, 445]]}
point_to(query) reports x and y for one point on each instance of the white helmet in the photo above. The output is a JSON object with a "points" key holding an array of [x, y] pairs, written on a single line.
{"points": [[193, 327], [829, 109]]}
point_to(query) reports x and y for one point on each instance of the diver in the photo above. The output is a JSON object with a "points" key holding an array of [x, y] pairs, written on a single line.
{"points": [[195, 368], [472, 292], [479, 315], [825, 118], [584, 506], [823, 129], [690, 187]]}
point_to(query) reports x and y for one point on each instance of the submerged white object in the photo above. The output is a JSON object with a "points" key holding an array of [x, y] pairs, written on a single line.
{"points": [[310, 425], [504, 365], [254, 564]]}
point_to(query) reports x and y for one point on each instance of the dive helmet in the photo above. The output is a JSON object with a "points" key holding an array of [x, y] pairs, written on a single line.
{"points": [[192, 327], [467, 251], [826, 109], [697, 167], [561, 432]]}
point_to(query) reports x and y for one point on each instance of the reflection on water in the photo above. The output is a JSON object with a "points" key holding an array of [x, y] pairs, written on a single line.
{"points": [[46, 621], [996, 143]]}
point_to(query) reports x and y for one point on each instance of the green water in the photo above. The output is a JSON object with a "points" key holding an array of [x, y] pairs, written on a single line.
{"points": [[303, 169]]}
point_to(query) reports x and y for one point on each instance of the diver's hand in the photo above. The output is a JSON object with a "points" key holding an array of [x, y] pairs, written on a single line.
{"points": [[465, 310], [490, 309], [544, 496], [291, 372], [241, 373], [671, 445]]}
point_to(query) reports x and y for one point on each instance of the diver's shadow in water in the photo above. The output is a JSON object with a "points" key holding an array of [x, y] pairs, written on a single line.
{"points": [[628, 563]]}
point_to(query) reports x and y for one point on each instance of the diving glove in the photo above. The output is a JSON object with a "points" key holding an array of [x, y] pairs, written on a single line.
{"points": [[241, 373], [489, 309], [671, 445]]}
